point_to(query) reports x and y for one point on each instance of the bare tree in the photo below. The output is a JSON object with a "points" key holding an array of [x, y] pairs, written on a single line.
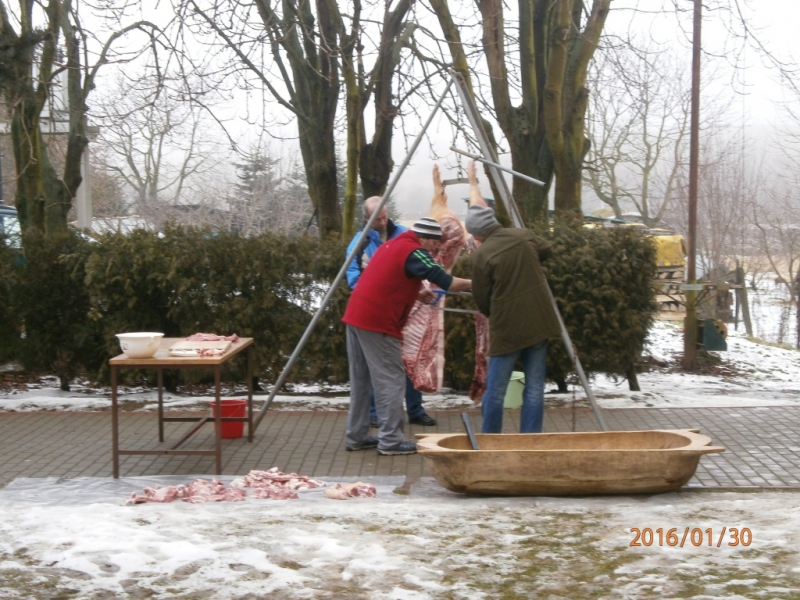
{"points": [[34, 56], [549, 60], [108, 192], [372, 160], [730, 185], [299, 53], [776, 217], [155, 142], [782, 216], [638, 121], [726, 191]]}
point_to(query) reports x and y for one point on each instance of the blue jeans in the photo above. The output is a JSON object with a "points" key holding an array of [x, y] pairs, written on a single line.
{"points": [[413, 402], [534, 364]]}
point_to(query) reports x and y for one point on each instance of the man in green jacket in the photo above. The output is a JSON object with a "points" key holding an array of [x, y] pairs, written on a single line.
{"points": [[509, 287]]}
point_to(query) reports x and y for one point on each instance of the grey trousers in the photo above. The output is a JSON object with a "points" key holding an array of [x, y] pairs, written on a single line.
{"points": [[376, 363]]}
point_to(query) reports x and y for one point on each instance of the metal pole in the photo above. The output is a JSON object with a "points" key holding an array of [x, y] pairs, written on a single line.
{"points": [[690, 332], [496, 166], [565, 339], [511, 207], [471, 110], [324, 304]]}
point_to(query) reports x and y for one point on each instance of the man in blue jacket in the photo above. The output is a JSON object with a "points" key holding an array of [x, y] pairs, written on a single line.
{"points": [[383, 229]]}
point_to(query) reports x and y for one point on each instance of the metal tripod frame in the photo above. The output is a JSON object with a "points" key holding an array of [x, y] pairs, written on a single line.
{"points": [[471, 111]]}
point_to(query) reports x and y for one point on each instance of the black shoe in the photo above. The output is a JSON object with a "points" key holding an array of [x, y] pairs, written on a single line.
{"points": [[373, 422], [368, 443], [424, 420], [401, 448]]}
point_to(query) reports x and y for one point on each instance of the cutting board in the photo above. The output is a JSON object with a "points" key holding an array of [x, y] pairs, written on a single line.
{"points": [[187, 345]]}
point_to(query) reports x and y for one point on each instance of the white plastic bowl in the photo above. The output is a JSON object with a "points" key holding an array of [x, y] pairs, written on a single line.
{"points": [[140, 344]]}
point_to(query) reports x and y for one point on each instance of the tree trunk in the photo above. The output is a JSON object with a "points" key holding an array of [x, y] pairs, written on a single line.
{"points": [[312, 80], [25, 96], [566, 98], [77, 140], [633, 381], [354, 135], [27, 143], [567, 201], [44, 199], [529, 152], [353, 110], [375, 159], [545, 131], [522, 124], [531, 155], [318, 150]]}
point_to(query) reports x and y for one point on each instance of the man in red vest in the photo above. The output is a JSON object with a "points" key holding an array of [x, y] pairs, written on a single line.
{"points": [[375, 316]]}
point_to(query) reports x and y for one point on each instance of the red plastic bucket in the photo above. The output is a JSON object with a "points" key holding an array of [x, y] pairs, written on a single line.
{"points": [[231, 408]]}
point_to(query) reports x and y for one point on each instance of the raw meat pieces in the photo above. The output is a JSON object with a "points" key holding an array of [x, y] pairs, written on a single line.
{"points": [[212, 337], [478, 385], [423, 346], [345, 491], [197, 492], [272, 484], [276, 485]]}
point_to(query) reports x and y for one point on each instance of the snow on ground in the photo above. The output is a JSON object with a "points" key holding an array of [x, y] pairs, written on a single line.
{"points": [[60, 542], [750, 373]]}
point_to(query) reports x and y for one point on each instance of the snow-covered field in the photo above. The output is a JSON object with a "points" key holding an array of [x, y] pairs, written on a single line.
{"points": [[426, 545], [773, 315], [76, 539]]}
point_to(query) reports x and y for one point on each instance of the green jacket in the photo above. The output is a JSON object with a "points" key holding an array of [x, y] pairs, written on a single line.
{"points": [[508, 286]]}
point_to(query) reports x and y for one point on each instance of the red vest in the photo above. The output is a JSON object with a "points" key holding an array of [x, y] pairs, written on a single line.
{"points": [[384, 294]]}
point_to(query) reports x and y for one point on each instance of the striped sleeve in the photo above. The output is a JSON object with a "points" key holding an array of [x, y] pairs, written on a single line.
{"points": [[420, 264]]}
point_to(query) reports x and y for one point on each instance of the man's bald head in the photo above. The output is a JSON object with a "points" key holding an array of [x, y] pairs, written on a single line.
{"points": [[370, 204]]}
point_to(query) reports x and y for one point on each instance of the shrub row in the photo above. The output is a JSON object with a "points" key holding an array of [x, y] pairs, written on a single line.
{"points": [[602, 282], [73, 295], [9, 321]]}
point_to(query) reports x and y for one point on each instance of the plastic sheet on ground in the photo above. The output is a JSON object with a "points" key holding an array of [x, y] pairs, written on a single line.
{"points": [[53, 491], [83, 491]]}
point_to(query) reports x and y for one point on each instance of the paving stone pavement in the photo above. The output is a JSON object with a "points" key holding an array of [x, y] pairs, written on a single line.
{"points": [[763, 444]]}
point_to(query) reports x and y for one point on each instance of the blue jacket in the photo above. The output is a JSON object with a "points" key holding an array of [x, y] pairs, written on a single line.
{"points": [[369, 246]]}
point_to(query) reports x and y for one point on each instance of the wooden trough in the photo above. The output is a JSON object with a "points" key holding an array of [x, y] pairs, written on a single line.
{"points": [[566, 464]]}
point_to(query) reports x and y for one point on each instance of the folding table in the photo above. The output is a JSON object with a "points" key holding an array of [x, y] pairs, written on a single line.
{"points": [[162, 361]]}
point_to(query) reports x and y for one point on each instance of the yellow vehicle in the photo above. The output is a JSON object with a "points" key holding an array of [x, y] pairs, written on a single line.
{"points": [[670, 254], [670, 272], [715, 299]]}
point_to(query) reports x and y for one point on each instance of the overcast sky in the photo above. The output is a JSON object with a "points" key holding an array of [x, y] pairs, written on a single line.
{"points": [[771, 21], [757, 90]]}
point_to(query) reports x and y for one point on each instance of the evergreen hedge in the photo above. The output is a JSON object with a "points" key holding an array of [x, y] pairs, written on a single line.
{"points": [[186, 281], [52, 303], [182, 281], [9, 319], [602, 281]]}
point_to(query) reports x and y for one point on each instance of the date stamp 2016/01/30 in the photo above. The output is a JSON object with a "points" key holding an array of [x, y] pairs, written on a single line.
{"points": [[694, 536]]}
